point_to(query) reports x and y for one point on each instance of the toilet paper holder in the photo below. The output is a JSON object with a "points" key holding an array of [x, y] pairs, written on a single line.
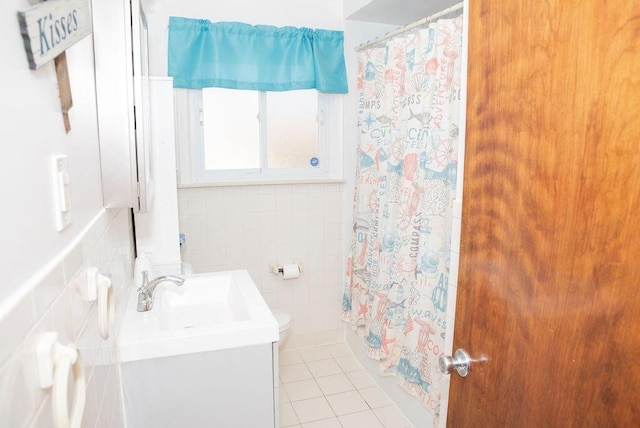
{"points": [[277, 269]]}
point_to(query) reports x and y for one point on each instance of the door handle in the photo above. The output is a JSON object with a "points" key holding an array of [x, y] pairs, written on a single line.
{"points": [[461, 362]]}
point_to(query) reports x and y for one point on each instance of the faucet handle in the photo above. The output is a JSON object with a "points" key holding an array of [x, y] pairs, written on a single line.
{"points": [[145, 281]]}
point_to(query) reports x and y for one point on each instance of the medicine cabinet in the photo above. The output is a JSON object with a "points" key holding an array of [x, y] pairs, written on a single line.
{"points": [[122, 86]]}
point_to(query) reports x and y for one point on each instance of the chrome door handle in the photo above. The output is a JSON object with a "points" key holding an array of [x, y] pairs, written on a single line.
{"points": [[461, 362]]}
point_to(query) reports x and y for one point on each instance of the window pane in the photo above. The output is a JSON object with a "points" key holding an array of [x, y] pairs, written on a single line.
{"points": [[292, 128], [231, 129]]}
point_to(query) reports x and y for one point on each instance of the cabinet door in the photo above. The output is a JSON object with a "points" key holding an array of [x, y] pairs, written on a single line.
{"points": [[141, 111], [121, 66]]}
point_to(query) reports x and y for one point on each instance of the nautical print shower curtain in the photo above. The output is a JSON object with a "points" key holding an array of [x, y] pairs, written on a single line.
{"points": [[398, 267]]}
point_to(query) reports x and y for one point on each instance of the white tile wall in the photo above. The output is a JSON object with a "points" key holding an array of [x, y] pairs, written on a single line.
{"points": [[56, 304], [248, 227]]}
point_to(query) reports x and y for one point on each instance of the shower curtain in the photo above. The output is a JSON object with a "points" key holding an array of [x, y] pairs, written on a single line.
{"points": [[398, 267]]}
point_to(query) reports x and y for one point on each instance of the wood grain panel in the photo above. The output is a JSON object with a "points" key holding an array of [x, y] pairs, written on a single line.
{"points": [[549, 283]]}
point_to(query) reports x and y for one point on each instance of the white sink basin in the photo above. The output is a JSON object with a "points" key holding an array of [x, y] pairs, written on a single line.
{"points": [[208, 312], [201, 302]]}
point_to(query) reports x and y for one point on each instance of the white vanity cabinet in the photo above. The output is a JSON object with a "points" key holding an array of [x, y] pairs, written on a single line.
{"points": [[121, 67], [224, 388]]}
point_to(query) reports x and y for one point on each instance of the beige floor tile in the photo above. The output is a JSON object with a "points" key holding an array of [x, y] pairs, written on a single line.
{"points": [[315, 354], [375, 397], [366, 419], [335, 384], [348, 363], [313, 409], [282, 394], [338, 350], [324, 368], [361, 379], [287, 358], [287, 415], [303, 390], [347, 402], [294, 373], [391, 417], [324, 423]]}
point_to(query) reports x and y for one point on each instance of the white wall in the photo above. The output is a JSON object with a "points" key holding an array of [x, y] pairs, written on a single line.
{"points": [[41, 266], [32, 131], [351, 6]]}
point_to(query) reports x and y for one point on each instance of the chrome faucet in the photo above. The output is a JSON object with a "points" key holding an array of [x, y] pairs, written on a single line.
{"points": [[145, 291]]}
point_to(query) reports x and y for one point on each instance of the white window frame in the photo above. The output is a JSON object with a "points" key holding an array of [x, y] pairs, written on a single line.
{"points": [[190, 146]]}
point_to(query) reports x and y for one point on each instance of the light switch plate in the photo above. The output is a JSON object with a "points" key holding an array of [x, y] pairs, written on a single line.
{"points": [[61, 191]]}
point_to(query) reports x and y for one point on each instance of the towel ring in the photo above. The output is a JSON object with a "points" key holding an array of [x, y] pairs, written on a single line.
{"points": [[68, 360]]}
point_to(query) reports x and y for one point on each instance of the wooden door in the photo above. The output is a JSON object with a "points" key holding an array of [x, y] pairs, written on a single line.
{"points": [[549, 282]]}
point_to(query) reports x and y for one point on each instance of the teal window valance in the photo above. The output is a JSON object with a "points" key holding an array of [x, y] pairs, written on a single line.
{"points": [[241, 56]]}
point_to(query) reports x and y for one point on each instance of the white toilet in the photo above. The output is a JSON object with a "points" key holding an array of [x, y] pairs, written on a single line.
{"points": [[284, 321]]}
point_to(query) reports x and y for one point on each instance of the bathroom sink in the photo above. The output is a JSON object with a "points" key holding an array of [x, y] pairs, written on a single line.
{"points": [[210, 311], [200, 303]]}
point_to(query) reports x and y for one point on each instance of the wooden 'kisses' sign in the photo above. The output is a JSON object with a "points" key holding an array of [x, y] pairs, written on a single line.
{"points": [[50, 28]]}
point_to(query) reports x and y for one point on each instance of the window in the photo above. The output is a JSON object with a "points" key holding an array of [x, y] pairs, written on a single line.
{"points": [[242, 135], [230, 123]]}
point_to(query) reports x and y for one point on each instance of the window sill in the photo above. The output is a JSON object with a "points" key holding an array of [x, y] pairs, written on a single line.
{"points": [[267, 182]]}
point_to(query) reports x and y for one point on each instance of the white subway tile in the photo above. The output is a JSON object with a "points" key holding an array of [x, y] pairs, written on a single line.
{"points": [[197, 223], [299, 312], [271, 299], [19, 389], [69, 313], [284, 201], [301, 296], [316, 217], [284, 252], [214, 201], [43, 415], [14, 326], [232, 220], [316, 232], [302, 326], [216, 221], [268, 220], [332, 231], [316, 201], [302, 188], [332, 215], [91, 409], [315, 294], [268, 282], [285, 298], [73, 262], [266, 202], [196, 206]]}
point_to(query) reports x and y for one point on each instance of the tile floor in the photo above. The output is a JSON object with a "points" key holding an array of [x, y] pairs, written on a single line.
{"points": [[326, 387]]}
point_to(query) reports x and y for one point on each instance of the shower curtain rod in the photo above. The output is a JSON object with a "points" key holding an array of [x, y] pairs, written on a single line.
{"points": [[408, 27]]}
